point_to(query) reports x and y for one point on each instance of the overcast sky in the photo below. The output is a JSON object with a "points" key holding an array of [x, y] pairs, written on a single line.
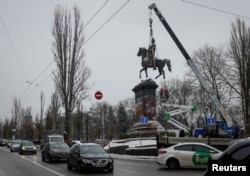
{"points": [[26, 40]]}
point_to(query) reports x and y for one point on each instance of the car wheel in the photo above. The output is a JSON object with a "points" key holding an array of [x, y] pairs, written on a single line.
{"points": [[34, 153], [20, 153], [69, 167], [173, 163], [49, 158], [79, 168], [43, 158]]}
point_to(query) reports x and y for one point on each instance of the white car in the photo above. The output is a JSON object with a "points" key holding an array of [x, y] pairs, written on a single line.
{"points": [[187, 155]]}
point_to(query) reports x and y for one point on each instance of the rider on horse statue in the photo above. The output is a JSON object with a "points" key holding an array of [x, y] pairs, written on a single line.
{"points": [[150, 59]]}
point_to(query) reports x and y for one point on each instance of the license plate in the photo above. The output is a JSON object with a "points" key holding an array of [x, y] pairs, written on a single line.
{"points": [[100, 165]]}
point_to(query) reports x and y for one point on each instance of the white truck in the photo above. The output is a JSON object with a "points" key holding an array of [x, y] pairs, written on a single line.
{"points": [[51, 136]]}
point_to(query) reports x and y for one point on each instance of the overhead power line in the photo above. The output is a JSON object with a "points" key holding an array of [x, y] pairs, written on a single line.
{"points": [[36, 85], [14, 50], [42, 71], [114, 14], [31, 83], [95, 14], [219, 10]]}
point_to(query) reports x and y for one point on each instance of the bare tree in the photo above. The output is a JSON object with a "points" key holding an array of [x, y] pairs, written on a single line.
{"points": [[16, 112], [129, 104], [212, 62], [77, 122], [6, 131], [53, 112], [27, 124], [42, 101], [180, 93], [240, 52], [72, 73]]}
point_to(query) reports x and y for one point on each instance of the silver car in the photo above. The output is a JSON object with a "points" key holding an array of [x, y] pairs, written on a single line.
{"points": [[27, 147], [15, 145]]}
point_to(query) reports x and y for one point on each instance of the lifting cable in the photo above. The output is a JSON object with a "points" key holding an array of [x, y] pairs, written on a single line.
{"points": [[151, 34]]}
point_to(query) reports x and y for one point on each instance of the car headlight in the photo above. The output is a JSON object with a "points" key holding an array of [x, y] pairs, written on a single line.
{"points": [[34, 148], [110, 160], [23, 148], [86, 161]]}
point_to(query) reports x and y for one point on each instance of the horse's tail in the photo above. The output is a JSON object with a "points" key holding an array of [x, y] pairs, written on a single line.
{"points": [[168, 62]]}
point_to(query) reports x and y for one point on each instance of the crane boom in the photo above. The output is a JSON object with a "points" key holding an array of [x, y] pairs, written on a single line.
{"points": [[181, 109], [194, 68], [179, 125]]}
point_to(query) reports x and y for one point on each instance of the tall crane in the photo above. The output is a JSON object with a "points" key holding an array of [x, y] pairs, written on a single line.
{"points": [[194, 68]]}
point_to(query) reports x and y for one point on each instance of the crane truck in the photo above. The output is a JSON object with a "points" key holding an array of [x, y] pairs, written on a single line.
{"points": [[194, 68], [227, 121]]}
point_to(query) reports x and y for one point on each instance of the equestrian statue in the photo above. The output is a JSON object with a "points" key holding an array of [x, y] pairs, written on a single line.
{"points": [[149, 61], [148, 58]]}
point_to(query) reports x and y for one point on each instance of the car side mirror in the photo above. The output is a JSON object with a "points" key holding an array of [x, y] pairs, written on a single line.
{"points": [[213, 152], [77, 152]]}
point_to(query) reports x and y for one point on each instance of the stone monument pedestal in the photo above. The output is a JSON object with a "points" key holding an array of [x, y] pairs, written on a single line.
{"points": [[145, 99]]}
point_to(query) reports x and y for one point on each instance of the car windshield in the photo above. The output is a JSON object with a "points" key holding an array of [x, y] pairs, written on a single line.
{"points": [[56, 139], [59, 146], [91, 149], [28, 143], [16, 142]]}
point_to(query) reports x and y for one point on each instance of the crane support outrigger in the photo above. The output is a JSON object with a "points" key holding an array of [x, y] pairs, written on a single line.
{"points": [[194, 68]]}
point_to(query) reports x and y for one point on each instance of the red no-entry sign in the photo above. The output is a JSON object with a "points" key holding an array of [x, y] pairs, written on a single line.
{"points": [[98, 95]]}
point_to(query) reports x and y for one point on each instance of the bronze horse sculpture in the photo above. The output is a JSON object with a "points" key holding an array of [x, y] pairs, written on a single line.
{"points": [[148, 64]]}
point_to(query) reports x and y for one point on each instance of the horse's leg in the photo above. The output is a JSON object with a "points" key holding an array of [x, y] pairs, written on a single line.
{"points": [[143, 69], [140, 72], [160, 72], [157, 76], [163, 72]]}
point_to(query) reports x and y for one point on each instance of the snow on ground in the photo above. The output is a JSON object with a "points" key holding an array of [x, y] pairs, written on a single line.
{"points": [[130, 157], [133, 143]]}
